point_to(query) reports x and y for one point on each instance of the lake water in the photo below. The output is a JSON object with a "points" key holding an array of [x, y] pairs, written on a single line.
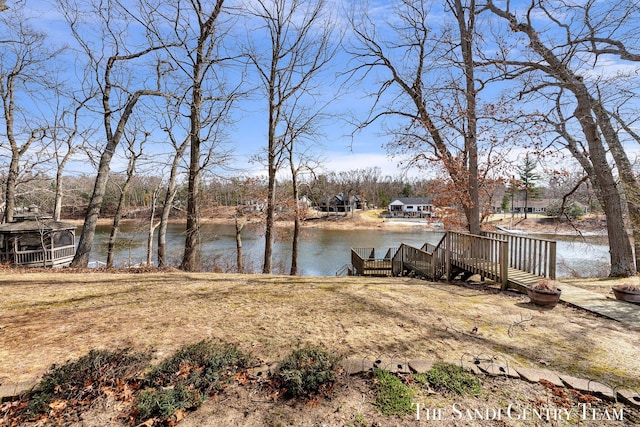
{"points": [[322, 252]]}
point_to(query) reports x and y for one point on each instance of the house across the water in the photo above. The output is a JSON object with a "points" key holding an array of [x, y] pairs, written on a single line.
{"points": [[412, 207], [342, 203], [35, 240]]}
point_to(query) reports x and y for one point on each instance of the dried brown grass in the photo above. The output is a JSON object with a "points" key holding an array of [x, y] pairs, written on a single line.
{"points": [[48, 317]]}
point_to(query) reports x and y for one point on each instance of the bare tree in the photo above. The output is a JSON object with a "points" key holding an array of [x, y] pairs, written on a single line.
{"points": [[195, 46], [248, 204], [152, 226], [66, 138], [300, 125], [179, 147], [299, 47], [116, 67], [133, 155], [201, 61], [556, 67], [428, 79], [24, 77]]}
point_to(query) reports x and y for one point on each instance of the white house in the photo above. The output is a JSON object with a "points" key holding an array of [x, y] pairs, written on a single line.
{"points": [[411, 207]]}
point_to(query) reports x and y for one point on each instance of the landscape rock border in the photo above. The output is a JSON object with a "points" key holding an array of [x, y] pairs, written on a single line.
{"points": [[354, 366]]}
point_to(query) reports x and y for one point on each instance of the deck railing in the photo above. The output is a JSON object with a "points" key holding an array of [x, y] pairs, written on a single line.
{"points": [[365, 263], [491, 255], [44, 257], [533, 255], [415, 259], [479, 254]]}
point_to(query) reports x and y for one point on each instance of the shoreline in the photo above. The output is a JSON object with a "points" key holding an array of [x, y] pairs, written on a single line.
{"points": [[369, 221]]}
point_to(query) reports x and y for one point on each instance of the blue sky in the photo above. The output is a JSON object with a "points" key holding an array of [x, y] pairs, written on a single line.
{"points": [[339, 148]]}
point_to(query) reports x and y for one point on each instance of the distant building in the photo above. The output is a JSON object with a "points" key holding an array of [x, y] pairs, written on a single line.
{"points": [[412, 207], [342, 203], [35, 240], [532, 206]]}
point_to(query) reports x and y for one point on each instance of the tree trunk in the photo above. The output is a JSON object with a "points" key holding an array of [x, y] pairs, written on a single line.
{"points": [[192, 238], [116, 220], [189, 259], [154, 199], [630, 183], [622, 260], [270, 214], [162, 226], [10, 191], [166, 207], [619, 246], [57, 208], [239, 262], [85, 242], [296, 219], [207, 31], [466, 26], [113, 235]]}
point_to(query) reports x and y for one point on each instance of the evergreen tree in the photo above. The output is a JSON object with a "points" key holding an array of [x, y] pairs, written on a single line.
{"points": [[528, 178]]}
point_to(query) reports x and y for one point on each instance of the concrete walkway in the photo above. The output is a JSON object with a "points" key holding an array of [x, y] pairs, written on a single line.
{"points": [[622, 311]]}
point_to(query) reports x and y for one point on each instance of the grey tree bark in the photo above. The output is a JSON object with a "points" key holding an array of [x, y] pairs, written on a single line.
{"points": [[117, 101], [621, 254]]}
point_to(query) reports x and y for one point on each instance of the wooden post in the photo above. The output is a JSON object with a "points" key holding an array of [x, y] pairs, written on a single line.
{"points": [[447, 256], [504, 265], [552, 261]]}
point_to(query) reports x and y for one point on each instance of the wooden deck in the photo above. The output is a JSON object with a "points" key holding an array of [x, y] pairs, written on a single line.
{"points": [[513, 261]]}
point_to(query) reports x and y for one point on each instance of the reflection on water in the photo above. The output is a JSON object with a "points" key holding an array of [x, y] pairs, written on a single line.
{"points": [[322, 252]]}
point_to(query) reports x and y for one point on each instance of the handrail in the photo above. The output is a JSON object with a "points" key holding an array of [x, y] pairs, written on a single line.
{"points": [[364, 261], [439, 255], [491, 255], [533, 255], [344, 270], [43, 257], [479, 254]]}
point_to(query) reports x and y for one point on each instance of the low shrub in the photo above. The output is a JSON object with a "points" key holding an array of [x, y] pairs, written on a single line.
{"points": [[393, 397], [453, 378], [163, 403], [307, 371], [80, 382], [545, 285], [188, 378]]}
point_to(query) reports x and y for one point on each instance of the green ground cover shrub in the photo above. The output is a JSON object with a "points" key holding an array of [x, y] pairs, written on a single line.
{"points": [[186, 379], [453, 378], [307, 371], [393, 397]]}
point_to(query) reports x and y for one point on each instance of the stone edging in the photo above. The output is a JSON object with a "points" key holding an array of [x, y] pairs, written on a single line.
{"points": [[354, 366], [532, 375]]}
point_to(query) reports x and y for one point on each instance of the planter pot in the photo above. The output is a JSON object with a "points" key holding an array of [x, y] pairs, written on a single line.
{"points": [[544, 298], [625, 295]]}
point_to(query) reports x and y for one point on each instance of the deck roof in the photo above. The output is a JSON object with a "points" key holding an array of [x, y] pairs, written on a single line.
{"points": [[26, 226]]}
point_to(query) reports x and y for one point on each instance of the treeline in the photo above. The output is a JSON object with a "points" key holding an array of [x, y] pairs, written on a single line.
{"points": [[377, 189]]}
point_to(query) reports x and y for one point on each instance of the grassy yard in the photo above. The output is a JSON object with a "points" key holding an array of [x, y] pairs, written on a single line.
{"points": [[51, 317]]}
